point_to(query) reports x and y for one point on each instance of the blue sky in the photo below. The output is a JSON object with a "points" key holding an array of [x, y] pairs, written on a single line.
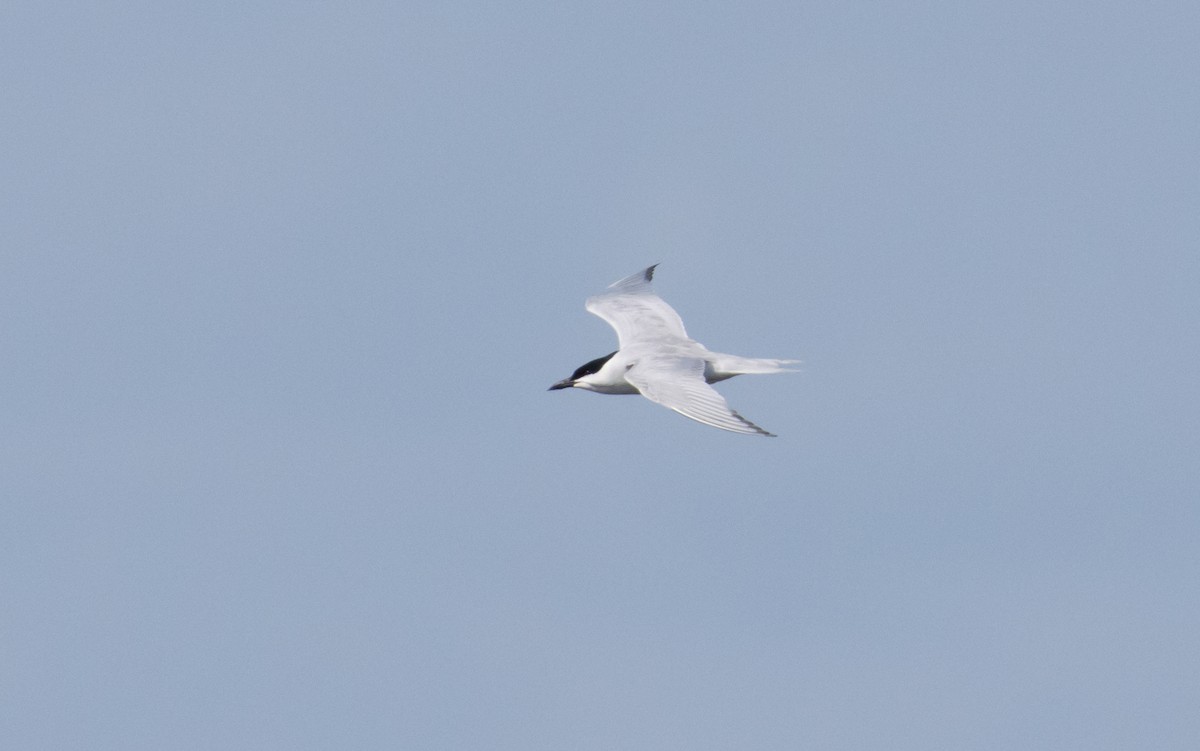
{"points": [[283, 286]]}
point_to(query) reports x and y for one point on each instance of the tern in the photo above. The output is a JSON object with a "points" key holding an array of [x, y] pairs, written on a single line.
{"points": [[657, 359]]}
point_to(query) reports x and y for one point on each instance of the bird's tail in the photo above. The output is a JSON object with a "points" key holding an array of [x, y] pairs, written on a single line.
{"points": [[725, 366]]}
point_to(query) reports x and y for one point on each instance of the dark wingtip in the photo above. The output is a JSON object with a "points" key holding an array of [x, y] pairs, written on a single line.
{"points": [[649, 275], [757, 429]]}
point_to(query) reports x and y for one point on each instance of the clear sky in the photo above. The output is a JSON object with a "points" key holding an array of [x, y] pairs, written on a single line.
{"points": [[283, 285]]}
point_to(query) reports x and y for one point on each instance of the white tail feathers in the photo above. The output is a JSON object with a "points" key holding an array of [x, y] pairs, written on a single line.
{"points": [[725, 366]]}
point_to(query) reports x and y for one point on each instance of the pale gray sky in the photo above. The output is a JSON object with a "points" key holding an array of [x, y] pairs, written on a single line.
{"points": [[283, 285]]}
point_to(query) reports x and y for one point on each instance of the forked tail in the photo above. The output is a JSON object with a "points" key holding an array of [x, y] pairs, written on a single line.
{"points": [[725, 366]]}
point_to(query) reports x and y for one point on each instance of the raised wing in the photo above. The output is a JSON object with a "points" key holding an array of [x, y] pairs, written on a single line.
{"points": [[638, 315], [678, 384]]}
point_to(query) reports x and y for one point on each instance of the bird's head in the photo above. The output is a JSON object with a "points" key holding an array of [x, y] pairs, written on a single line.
{"points": [[579, 379]]}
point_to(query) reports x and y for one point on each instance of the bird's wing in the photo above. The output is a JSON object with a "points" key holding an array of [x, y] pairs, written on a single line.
{"points": [[631, 307], [678, 383]]}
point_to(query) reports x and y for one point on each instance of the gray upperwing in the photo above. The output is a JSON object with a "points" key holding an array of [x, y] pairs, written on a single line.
{"points": [[637, 314]]}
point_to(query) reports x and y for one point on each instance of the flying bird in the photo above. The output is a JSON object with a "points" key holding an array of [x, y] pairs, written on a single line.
{"points": [[658, 360]]}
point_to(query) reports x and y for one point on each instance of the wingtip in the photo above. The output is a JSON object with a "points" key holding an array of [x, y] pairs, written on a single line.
{"points": [[758, 430], [635, 282]]}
